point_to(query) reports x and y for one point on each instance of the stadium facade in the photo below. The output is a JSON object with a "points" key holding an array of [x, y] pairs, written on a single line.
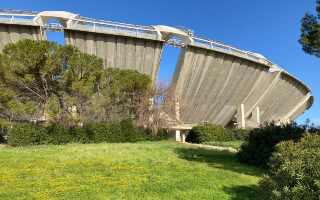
{"points": [[213, 82]]}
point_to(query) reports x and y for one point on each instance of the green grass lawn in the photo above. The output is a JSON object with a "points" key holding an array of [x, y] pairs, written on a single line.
{"points": [[234, 144], [152, 170]]}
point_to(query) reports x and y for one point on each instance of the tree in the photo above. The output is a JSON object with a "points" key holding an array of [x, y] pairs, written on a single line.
{"points": [[120, 95], [28, 70], [39, 77], [310, 32], [42, 81]]}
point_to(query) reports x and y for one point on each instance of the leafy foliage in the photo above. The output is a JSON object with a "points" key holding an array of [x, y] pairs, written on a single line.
{"points": [[310, 33], [27, 134], [115, 132], [57, 134], [210, 133], [259, 146], [206, 133], [294, 172], [119, 96], [36, 76], [44, 81], [112, 132], [238, 133]]}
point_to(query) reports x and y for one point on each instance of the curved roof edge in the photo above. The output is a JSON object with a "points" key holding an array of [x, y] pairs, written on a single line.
{"points": [[271, 67], [160, 32]]}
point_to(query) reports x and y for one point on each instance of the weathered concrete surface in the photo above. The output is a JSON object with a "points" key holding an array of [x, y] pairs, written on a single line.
{"points": [[213, 82], [211, 86], [119, 51], [10, 33]]}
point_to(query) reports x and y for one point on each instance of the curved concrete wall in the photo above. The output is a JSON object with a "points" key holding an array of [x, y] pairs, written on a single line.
{"points": [[119, 51], [213, 82], [211, 86], [10, 33]]}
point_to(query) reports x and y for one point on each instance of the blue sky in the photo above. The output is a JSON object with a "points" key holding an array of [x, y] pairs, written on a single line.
{"points": [[271, 27]]}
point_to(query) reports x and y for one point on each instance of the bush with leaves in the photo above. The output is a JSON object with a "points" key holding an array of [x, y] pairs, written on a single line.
{"points": [[58, 134], [294, 171], [238, 133], [116, 132], [259, 146], [27, 134], [4, 128], [45, 81], [206, 133], [113, 132]]}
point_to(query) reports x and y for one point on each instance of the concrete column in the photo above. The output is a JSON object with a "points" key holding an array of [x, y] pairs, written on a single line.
{"points": [[241, 117], [178, 136], [183, 137], [243, 121], [177, 109], [151, 104], [256, 116]]}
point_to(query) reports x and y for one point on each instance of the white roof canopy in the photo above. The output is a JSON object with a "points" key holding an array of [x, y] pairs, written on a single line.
{"points": [[63, 16]]}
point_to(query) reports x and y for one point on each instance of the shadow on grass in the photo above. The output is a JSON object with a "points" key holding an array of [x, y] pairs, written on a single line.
{"points": [[243, 192], [217, 159]]}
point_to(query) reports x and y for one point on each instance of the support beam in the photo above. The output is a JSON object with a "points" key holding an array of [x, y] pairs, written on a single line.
{"points": [[264, 94], [177, 109], [303, 101], [241, 117], [183, 137], [256, 116], [178, 136]]}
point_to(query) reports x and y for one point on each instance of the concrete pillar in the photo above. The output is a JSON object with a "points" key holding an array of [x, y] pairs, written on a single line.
{"points": [[256, 116], [183, 137], [151, 104], [241, 117], [177, 109], [178, 136]]}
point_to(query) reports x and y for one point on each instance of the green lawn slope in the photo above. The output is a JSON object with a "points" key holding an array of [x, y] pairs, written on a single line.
{"points": [[149, 170]]}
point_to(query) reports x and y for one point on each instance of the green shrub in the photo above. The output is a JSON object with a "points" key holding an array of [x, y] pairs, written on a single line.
{"points": [[81, 135], [123, 131], [27, 134], [206, 133], [162, 134], [103, 132], [238, 133], [294, 171], [261, 142], [130, 133], [4, 128], [116, 132], [58, 134]]}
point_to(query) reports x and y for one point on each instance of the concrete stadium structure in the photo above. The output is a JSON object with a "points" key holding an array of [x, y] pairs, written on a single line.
{"points": [[213, 82]]}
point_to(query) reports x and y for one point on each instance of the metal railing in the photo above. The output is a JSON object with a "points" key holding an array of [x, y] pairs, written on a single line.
{"points": [[95, 25], [113, 27], [17, 16], [229, 49]]}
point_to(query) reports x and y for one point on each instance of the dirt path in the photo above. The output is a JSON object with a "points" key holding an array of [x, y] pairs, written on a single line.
{"points": [[230, 149]]}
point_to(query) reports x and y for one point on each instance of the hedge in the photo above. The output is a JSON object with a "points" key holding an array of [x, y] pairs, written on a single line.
{"points": [[3, 133], [215, 133], [260, 144], [27, 134], [116, 132], [294, 171], [206, 133]]}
